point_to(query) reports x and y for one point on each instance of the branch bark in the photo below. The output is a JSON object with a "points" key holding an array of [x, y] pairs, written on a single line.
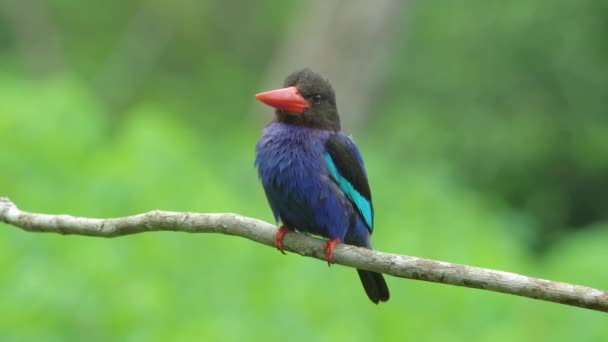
{"points": [[259, 231]]}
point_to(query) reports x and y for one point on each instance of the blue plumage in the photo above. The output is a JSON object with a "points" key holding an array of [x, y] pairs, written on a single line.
{"points": [[303, 192], [313, 174]]}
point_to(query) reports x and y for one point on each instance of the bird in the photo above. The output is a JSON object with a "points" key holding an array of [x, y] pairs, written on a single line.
{"points": [[313, 174]]}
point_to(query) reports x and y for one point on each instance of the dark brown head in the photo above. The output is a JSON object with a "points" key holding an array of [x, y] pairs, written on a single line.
{"points": [[307, 99]]}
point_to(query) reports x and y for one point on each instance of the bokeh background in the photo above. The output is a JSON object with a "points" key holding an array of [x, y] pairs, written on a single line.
{"points": [[483, 124]]}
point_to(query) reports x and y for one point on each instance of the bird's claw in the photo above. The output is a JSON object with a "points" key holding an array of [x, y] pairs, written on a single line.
{"points": [[329, 250], [278, 238]]}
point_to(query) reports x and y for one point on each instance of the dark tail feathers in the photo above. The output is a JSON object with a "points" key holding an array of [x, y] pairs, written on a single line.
{"points": [[374, 286]]}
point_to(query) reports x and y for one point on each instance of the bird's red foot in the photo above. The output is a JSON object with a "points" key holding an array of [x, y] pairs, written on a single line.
{"points": [[329, 250], [278, 238]]}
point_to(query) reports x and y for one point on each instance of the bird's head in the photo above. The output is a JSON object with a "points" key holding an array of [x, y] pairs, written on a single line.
{"points": [[307, 99]]}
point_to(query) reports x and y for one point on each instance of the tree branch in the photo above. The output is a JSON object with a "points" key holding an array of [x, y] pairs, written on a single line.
{"points": [[232, 224]]}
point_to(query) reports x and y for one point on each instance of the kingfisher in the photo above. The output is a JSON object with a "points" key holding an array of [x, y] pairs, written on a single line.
{"points": [[313, 174]]}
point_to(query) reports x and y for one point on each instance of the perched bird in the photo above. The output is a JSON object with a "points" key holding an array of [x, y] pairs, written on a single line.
{"points": [[313, 174]]}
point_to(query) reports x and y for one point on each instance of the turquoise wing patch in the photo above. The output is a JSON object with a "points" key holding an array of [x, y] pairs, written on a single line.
{"points": [[363, 205]]}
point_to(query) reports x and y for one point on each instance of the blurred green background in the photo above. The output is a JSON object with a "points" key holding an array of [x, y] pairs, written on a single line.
{"points": [[483, 125]]}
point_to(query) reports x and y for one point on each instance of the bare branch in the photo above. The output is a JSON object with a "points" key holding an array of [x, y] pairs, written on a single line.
{"points": [[232, 224]]}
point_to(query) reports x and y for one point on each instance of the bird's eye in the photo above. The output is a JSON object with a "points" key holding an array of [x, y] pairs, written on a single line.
{"points": [[316, 99]]}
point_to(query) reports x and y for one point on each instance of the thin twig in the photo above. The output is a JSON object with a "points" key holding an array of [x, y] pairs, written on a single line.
{"points": [[393, 264]]}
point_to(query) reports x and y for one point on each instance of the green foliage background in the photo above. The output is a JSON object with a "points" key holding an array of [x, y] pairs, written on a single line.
{"points": [[489, 137]]}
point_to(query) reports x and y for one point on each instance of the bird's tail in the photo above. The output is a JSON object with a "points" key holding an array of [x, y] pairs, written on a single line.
{"points": [[374, 286]]}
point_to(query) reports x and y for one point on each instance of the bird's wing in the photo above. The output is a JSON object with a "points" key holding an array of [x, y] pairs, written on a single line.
{"points": [[347, 170]]}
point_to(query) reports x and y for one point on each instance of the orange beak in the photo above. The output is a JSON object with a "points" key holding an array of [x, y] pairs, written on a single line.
{"points": [[288, 99]]}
